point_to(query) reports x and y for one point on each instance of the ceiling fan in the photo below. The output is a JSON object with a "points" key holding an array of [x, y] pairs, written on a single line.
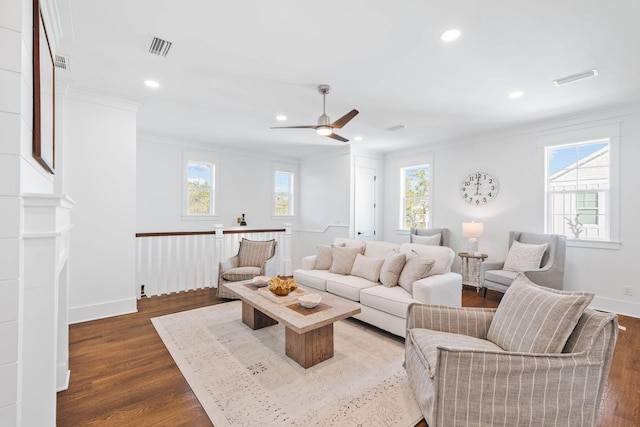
{"points": [[324, 126]]}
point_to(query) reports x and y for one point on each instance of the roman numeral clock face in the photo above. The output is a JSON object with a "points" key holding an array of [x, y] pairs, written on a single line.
{"points": [[479, 188]]}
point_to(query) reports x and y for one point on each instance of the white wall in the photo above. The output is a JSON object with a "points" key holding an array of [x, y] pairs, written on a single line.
{"points": [[100, 176], [244, 184], [516, 160], [326, 189], [28, 309]]}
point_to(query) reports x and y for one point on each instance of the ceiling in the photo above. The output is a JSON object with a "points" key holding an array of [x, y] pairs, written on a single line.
{"points": [[234, 65]]}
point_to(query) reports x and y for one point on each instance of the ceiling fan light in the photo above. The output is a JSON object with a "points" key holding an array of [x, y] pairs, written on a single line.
{"points": [[324, 130]]}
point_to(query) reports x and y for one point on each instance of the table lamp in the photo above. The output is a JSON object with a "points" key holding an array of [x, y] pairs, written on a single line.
{"points": [[472, 230]]}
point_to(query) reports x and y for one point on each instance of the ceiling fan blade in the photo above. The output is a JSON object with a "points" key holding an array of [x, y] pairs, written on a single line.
{"points": [[295, 127], [344, 119], [338, 137]]}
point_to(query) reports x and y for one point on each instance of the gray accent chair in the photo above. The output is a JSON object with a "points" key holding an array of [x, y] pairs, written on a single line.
{"points": [[458, 381], [550, 273], [444, 234]]}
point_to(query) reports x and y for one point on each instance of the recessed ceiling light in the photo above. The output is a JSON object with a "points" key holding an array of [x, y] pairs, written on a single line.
{"points": [[281, 117], [450, 35], [516, 94], [152, 83], [357, 138]]}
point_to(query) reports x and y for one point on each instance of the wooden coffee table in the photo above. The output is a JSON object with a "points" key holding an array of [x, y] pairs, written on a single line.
{"points": [[308, 331]]}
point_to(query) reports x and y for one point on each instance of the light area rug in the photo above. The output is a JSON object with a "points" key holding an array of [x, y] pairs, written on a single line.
{"points": [[242, 377]]}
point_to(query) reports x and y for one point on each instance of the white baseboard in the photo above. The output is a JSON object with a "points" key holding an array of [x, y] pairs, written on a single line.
{"points": [[62, 377], [626, 308], [100, 311]]}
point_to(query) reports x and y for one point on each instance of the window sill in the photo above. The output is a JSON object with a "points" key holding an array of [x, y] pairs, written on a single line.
{"points": [[199, 217], [287, 217], [594, 244]]}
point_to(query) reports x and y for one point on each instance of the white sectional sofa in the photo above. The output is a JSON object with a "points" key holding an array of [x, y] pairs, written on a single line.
{"points": [[383, 306]]}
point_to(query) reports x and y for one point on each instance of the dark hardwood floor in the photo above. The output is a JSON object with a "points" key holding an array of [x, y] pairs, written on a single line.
{"points": [[122, 374]]}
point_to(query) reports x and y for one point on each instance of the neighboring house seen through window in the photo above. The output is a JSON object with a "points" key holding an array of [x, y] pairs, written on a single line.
{"points": [[578, 187], [414, 209], [283, 194], [200, 188]]}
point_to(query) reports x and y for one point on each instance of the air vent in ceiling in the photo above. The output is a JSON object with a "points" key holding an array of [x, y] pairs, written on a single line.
{"points": [[575, 77], [159, 47], [62, 62], [396, 128]]}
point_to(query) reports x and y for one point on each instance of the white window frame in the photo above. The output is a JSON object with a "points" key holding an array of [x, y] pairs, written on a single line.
{"points": [[292, 169], [290, 192], [402, 207], [577, 135], [202, 157]]}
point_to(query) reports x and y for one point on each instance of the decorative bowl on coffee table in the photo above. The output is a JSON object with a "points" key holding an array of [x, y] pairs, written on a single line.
{"points": [[282, 286], [261, 281], [310, 300]]}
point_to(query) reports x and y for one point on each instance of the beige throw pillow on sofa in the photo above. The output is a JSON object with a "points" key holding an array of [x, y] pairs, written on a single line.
{"points": [[343, 259], [367, 267], [391, 269], [415, 268], [324, 258], [427, 240], [524, 256]]}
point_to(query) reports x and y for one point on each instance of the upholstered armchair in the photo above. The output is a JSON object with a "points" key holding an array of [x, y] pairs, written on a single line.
{"points": [[481, 367], [542, 265], [430, 232], [254, 258]]}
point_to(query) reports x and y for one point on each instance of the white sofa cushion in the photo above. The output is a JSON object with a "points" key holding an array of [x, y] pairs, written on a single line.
{"points": [[442, 255], [379, 249], [316, 279], [348, 287], [367, 267], [393, 300]]}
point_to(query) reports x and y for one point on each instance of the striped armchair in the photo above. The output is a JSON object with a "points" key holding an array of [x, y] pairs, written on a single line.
{"points": [[460, 378], [254, 258]]}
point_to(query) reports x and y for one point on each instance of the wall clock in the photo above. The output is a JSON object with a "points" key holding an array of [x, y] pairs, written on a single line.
{"points": [[478, 188]]}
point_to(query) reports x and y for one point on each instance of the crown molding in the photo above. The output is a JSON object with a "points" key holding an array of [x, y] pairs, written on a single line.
{"points": [[95, 97], [220, 149]]}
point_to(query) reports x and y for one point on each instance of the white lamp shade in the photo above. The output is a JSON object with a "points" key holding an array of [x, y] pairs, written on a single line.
{"points": [[472, 229]]}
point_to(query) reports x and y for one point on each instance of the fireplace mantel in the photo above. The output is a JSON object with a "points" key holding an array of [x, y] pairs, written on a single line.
{"points": [[46, 230]]}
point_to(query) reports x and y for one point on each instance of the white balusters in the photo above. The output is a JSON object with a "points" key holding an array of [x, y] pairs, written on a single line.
{"points": [[176, 262]]}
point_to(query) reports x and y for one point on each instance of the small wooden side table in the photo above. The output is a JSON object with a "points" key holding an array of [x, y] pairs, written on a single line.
{"points": [[468, 278]]}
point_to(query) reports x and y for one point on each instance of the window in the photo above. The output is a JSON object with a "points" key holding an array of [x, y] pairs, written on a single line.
{"points": [[415, 197], [283, 193], [200, 188], [578, 186]]}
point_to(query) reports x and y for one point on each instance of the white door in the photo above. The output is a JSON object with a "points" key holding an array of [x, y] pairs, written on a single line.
{"points": [[365, 203]]}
